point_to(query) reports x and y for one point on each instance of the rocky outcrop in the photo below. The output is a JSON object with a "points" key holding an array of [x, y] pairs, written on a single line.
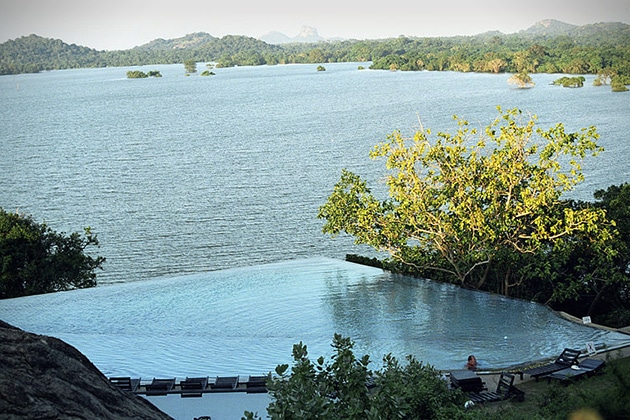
{"points": [[307, 34], [45, 378]]}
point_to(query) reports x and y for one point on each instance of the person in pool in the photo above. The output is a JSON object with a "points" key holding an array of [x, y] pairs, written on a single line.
{"points": [[472, 362]]}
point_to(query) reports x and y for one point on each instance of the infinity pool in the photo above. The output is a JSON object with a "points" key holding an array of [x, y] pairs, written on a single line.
{"points": [[245, 321]]}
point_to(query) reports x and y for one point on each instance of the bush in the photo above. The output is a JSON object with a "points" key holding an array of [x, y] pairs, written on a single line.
{"points": [[136, 74], [35, 259], [345, 388], [570, 81]]}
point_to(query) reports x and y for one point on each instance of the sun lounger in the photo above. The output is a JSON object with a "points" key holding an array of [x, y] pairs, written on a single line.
{"points": [[225, 383], [466, 380], [505, 390], [567, 358], [586, 367], [256, 384], [193, 387], [126, 383], [160, 386]]}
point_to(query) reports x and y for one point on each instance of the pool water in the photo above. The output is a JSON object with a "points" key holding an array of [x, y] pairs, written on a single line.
{"points": [[246, 320]]}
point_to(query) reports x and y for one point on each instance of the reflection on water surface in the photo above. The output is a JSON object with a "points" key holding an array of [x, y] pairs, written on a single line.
{"points": [[246, 320]]}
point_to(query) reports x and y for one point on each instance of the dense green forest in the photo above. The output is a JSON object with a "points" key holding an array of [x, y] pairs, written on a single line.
{"points": [[556, 48]]}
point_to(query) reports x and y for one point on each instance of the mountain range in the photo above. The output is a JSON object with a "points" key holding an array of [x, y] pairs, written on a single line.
{"points": [[552, 27], [33, 53], [308, 34], [547, 27]]}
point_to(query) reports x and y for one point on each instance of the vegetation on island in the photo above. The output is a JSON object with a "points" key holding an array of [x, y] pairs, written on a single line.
{"points": [[321, 68], [619, 83], [521, 80], [137, 74], [485, 209], [35, 259], [600, 49], [570, 82], [190, 66]]}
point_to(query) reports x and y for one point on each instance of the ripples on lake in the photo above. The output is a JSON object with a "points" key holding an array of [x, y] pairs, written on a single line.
{"points": [[189, 174], [246, 320]]}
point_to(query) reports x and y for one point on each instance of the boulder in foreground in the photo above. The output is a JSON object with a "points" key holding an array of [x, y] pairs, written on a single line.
{"points": [[45, 378]]}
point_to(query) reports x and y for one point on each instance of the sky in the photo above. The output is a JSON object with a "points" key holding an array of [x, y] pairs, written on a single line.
{"points": [[124, 24]]}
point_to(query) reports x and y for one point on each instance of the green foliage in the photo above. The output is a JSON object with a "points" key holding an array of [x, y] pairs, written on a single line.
{"points": [[610, 402], [207, 73], [339, 388], [190, 66], [604, 76], [589, 271], [605, 48], [321, 68], [136, 74], [32, 54], [471, 204], [485, 210], [35, 259], [521, 80], [570, 82], [618, 83]]}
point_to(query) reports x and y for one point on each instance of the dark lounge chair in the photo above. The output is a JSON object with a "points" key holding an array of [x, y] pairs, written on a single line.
{"points": [[225, 383], [505, 390], [193, 387], [256, 384], [160, 386], [567, 358], [126, 383], [467, 381], [586, 367]]}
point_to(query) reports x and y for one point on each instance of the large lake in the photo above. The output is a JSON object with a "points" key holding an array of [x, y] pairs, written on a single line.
{"points": [[190, 174], [196, 184]]}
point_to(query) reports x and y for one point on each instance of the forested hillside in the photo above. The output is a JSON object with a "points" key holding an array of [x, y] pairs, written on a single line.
{"points": [[549, 46]]}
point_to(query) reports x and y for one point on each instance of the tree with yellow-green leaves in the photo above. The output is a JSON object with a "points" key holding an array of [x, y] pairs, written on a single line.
{"points": [[521, 80], [474, 204]]}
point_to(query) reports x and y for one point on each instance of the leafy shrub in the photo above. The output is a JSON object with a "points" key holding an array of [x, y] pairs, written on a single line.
{"points": [[345, 388], [136, 74], [35, 259]]}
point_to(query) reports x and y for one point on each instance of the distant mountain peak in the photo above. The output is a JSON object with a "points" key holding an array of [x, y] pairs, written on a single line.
{"points": [[549, 22], [550, 27], [192, 40], [306, 34]]}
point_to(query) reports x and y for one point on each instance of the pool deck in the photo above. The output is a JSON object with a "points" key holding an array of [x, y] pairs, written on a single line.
{"points": [[491, 378]]}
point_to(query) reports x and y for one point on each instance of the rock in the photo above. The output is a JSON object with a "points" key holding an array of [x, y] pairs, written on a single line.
{"points": [[45, 378]]}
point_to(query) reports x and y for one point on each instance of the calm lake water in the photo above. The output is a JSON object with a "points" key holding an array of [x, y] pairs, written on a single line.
{"points": [[190, 174], [204, 181]]}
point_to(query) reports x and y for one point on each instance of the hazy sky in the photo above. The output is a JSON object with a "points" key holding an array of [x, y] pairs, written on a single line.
{"points": [[123, 24]]}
